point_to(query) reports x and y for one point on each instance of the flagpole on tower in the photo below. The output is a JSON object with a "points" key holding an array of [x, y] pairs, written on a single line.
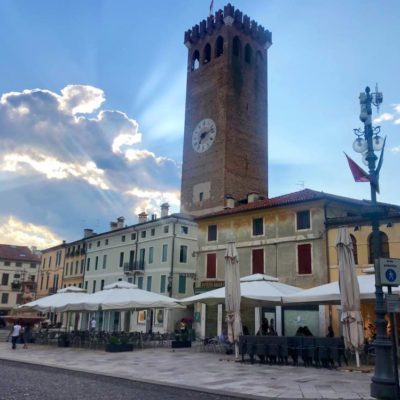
{"points": [[211, 11]]}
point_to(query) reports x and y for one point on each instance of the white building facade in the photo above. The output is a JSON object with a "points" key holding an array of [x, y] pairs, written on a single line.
{"points": [[157, 254]]}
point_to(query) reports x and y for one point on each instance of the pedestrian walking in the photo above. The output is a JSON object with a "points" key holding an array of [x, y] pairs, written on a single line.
{"points": [[93, 325], [14, 333]]}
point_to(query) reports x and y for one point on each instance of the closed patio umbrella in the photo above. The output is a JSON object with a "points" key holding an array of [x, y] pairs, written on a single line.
{"points": [[349, 293], [233, 296]]}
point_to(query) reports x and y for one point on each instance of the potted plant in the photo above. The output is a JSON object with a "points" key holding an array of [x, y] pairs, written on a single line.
{"points": [[118, 343]]}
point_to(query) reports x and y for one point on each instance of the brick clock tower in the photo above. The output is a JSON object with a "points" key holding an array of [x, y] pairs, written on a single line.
{"points": [[225, 140]]}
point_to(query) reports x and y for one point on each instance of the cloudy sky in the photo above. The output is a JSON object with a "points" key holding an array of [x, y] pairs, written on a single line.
{"points": [[92, 104]]}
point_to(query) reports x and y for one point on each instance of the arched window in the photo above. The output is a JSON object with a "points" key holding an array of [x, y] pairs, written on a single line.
{"points": [[384, 250], [207, 54], [195, 60], [237, 46], [355, 252], [247, 54], [219, 46]]}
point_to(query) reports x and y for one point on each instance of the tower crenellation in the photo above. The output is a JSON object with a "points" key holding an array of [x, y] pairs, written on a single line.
{"points": [[228, 16]]}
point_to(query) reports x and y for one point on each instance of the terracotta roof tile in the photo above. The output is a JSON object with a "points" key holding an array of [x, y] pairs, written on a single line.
{"points": [[290, 198], [17, 253]]}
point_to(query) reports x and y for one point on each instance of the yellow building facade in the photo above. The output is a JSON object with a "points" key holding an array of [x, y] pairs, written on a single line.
{"points": [[50, 276], [74, 266], [361, 234]]}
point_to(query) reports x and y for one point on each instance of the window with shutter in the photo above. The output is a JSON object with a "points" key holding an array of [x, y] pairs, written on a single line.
{"points": [[211, 266], [258, 261], [304, 259]]}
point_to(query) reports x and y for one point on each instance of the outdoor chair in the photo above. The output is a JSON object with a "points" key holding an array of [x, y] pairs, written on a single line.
{"points": [[307, 350], [272, 349], [294, 348]]}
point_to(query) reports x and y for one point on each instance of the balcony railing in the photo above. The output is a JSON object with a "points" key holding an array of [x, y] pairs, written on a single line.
{"points": [[134, 266], [15, 286]]}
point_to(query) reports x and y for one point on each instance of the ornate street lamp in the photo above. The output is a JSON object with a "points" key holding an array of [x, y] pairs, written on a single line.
{"points": [[368, 141]]}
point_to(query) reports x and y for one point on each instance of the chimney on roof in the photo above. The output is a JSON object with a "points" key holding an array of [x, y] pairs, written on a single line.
{"points": [[113, 225], [229, 201], [63, 242], [87, 232], [120, 222], [252, 197], [153, 217], [164, 210], [142, 217]]}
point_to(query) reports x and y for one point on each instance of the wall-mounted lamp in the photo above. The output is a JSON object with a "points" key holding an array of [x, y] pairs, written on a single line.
{"points": [[389, 225]]}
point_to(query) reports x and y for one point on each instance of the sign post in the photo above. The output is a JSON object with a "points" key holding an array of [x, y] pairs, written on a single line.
{"points": [[389, 273]]}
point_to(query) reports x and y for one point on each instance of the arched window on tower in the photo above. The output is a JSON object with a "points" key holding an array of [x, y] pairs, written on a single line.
{"points": [[237, 47], [247, 54], [355, 252], [207, 54], [384, 250], [195, 60], [219, 46]]}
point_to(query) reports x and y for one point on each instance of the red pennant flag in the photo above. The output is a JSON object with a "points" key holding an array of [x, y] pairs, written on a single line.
{"points": [[359, 174]]}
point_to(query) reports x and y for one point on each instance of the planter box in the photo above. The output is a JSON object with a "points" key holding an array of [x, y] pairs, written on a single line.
{"points": [[116, 348], [175, 344]]}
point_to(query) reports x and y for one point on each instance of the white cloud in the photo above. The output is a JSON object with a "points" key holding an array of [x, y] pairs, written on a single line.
{"points": [[397, 121], [53, 168], [151, 200], [383, 117], [396, 107], [138, 155], [16, 232], [81, 98], [63, 146], [395, 149], [125, 139]]}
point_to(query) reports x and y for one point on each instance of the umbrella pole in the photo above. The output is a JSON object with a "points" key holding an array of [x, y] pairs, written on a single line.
{"points": [[357, 359], [236, 350]]}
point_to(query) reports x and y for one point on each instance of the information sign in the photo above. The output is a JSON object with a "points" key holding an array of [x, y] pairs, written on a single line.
{"points": [[389, 271]]}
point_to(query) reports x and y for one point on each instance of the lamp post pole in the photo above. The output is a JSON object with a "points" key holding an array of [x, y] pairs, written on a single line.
{"points": [[383, 385]]}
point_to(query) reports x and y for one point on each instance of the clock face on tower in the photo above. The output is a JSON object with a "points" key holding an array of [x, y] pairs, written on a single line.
{"points": [[204, 135]]}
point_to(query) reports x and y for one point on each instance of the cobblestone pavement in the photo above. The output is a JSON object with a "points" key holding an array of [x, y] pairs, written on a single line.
{"points": [[20, 381], [209, 372]]}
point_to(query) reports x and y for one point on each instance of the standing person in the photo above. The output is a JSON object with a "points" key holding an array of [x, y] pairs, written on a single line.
{"points": [[14, 333], [93, 325]]}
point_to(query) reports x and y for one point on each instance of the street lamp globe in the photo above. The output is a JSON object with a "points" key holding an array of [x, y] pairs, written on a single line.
{"points": [[360, 145]]}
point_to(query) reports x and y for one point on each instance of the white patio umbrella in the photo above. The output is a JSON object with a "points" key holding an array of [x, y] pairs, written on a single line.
{"points": [[232, 296], [330, 293], [349, 293], [120, 296], [52, 302], [256, 289]]}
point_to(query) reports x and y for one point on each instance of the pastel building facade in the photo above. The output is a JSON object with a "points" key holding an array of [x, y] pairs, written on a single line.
{"points": [[18, 276]]}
